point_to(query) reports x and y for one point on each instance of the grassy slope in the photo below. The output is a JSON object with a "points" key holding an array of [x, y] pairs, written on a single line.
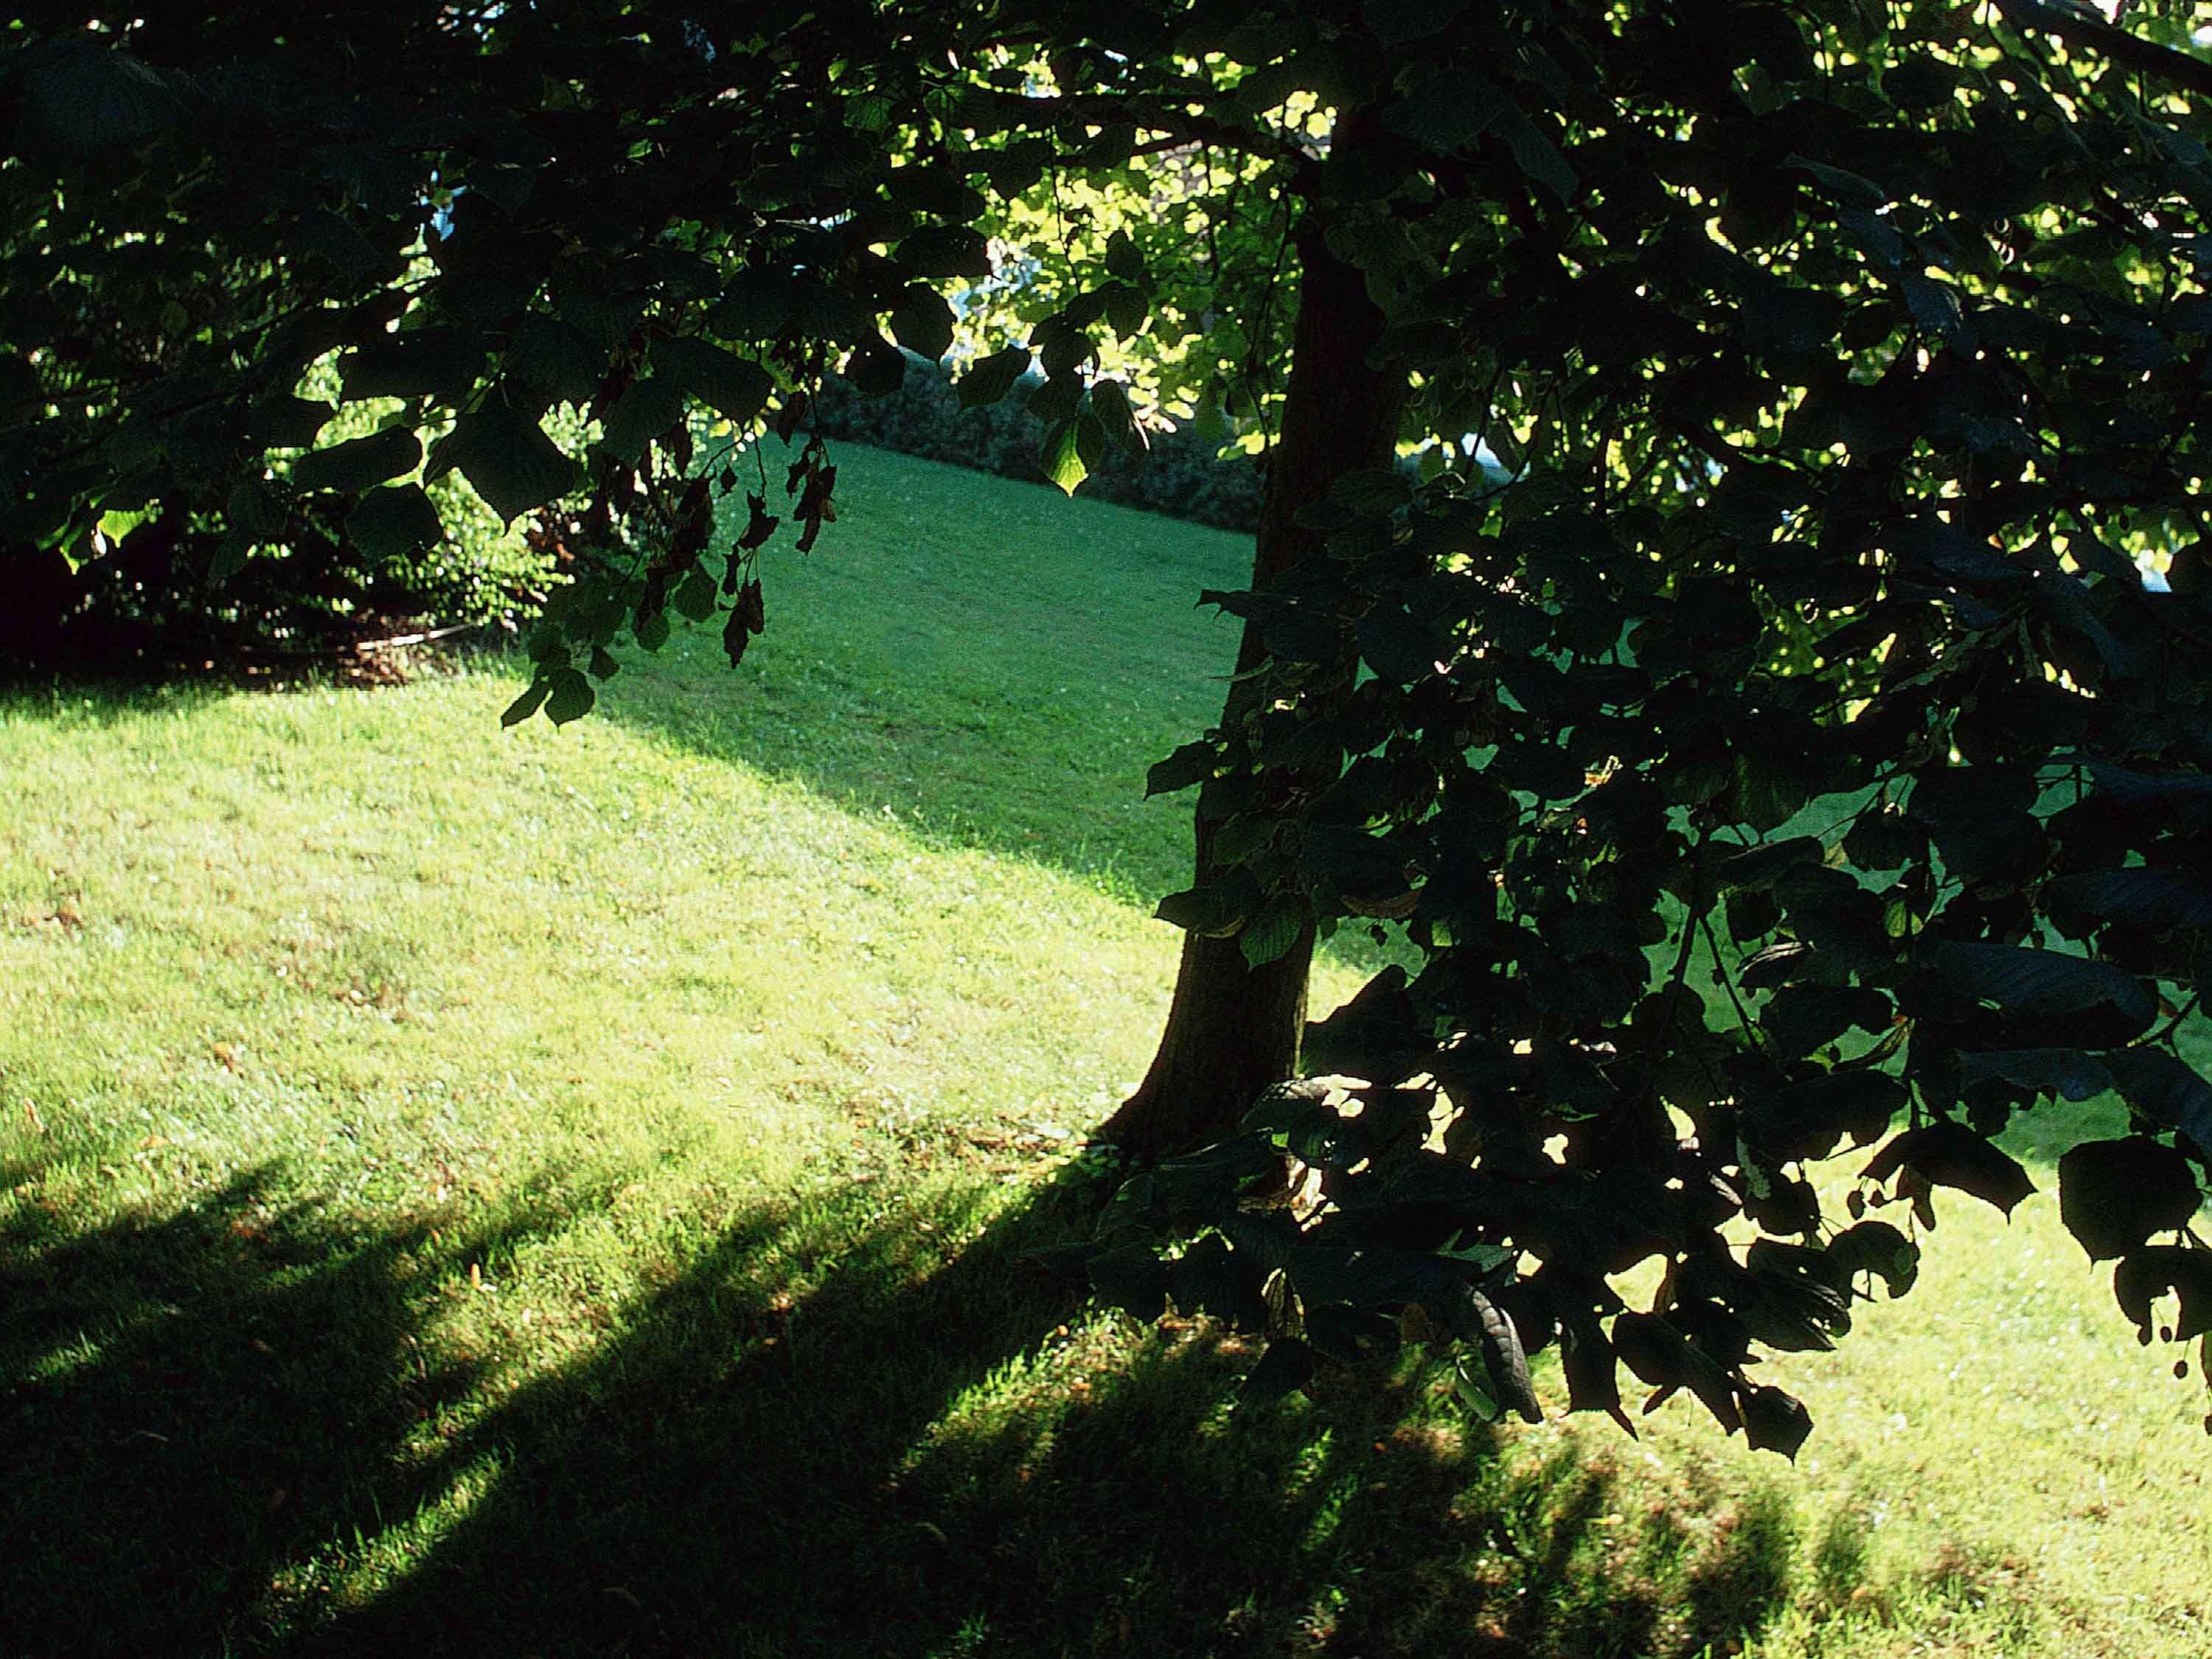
{"points": [[484, 1192]]}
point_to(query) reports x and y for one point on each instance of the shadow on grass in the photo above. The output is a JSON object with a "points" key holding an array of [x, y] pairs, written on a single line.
{"points": [[1032, 787], [191, 1401], [913, 1456]]}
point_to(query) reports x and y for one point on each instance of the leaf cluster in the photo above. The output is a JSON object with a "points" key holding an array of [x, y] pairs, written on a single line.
{"points": [[1754, 709]]}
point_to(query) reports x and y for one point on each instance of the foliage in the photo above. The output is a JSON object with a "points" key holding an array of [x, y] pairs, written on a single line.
{"points": [[310, 1003], [1845, 362], [1180, 472]]}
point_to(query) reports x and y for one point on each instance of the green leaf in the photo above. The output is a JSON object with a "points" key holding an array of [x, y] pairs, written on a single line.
{"points": [[1842, 187], [2067, 1073], [569, 696], [1758, 866], [1935, 307], [509, 460], [1193, 763], [339, 243], [1272, 932], [1800, 1018], [1056, 400], [1477, 1320], [651, 406], [527, 704], [1110, 402], [756, 306], [990, 378], [734, 387], [1125, 260], [229, 557], [359, 463], [1216, 909], [1447, 109], [1877, 1248], [1127, 308], [695, 595], [922, 322], [391, 524], [1062, 456], [2114, 1195], [1919, 82]]}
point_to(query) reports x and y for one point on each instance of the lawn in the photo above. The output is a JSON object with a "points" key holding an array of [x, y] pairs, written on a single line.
{"points": [[480, 1192]]}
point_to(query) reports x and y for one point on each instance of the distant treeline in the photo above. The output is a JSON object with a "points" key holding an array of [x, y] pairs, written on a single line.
{"points": [[1183, 475]]}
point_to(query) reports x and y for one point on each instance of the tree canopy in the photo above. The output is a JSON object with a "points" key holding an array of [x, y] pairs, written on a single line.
{"points": [[1774, 705]]}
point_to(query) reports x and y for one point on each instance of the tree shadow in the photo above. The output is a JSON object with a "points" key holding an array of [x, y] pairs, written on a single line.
{"points": [[928, 1455], [217, 1416], [194, 1401]]}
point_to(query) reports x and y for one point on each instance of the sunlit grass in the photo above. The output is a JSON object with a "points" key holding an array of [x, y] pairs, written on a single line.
{"points": [[542, 1191]]}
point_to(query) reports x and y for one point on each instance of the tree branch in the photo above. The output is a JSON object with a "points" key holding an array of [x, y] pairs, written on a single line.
{"points": [[1164, 114]]}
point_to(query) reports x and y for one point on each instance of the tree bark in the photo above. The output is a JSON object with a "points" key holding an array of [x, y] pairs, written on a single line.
{"points": [[1233, 1029]]}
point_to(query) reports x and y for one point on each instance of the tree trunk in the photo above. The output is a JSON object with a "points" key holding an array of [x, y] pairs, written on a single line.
{"points": [[1233, 1029]]}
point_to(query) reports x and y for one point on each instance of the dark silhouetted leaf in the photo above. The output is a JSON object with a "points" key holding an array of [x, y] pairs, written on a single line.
{"points": [[2165, 1089], [2148, 1274], [1194, 763], [391, 524], [2067, 1073], [992, 377], [1948, 1154], [2136, 897], [1447, 109], [2035, 984], [1131, 1279], [1877, 1248], [358, 464], [83, 96], [922, 322], [2114, 1195], [1288, 1365], [1775, 1420], [734, 387], [569, 696], [1276, 928], [649, 407], [527, 704], [1806, 1120], [507, 459]]}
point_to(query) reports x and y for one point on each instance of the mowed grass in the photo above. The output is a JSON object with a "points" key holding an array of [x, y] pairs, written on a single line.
{"points": [[564, 1193]]}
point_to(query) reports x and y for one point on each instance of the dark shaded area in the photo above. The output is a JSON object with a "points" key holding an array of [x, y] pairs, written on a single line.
{"points": [[744, 1471]]}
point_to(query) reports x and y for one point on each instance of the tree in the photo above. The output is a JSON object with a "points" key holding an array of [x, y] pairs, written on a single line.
{"points": [[1799, 396]]}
